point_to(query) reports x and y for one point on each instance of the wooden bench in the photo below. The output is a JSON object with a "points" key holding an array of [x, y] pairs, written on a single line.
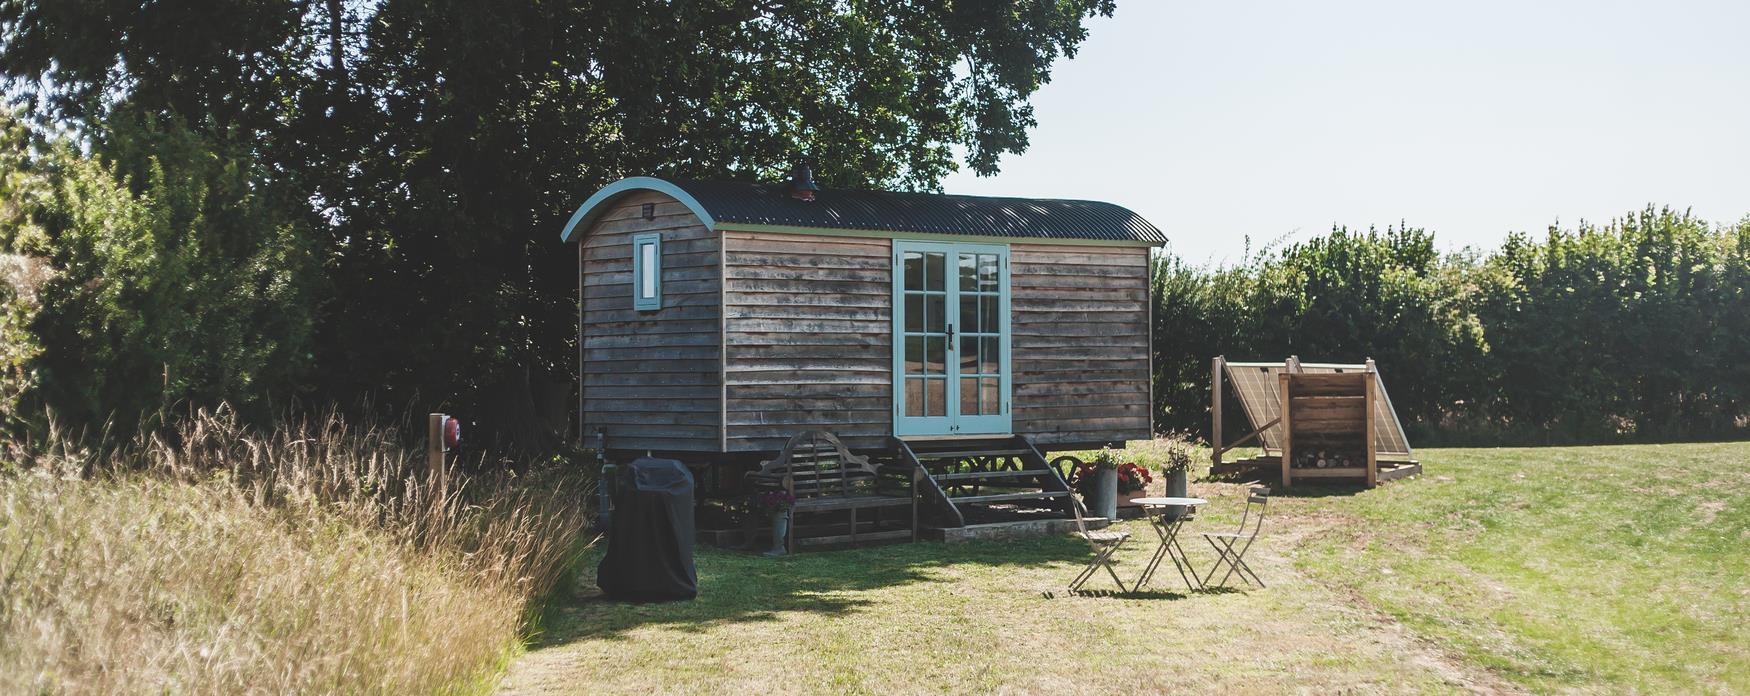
{"points": [[825, 476]]}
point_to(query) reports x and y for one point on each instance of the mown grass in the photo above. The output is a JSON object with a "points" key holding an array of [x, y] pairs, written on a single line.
{"points": [[1564, 569], [317, 558], [1592, 570]]}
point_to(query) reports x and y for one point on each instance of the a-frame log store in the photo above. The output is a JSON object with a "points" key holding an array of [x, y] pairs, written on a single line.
{"points": [[1318, 421]]}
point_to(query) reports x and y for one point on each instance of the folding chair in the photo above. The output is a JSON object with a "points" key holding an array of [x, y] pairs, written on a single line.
{"points": [[1224, 543], [1103, 544]]}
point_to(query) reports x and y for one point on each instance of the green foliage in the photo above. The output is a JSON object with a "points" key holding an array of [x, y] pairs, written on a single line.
{"points": [[436, 147], [1621, 329], [175, 278], [1628, 331], [21, 278]]}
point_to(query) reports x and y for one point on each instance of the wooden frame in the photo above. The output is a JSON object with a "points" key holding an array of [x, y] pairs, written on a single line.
{"points": [[1328, 406]]}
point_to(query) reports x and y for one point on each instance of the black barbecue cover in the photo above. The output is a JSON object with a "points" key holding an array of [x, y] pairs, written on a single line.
{"points": [[650, 544]]}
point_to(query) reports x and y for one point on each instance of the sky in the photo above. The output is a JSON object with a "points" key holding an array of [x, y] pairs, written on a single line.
{"points": [[1220, 121]]}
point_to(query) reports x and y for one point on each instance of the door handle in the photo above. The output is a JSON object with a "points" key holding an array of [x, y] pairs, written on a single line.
{"points": [[950, 337]]}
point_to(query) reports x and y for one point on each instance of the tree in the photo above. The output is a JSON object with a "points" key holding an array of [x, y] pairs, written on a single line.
{"points": [[172, 278], [433, 148]]}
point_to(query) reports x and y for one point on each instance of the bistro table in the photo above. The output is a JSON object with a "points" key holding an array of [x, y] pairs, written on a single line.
{"points": [[1167, 528]]}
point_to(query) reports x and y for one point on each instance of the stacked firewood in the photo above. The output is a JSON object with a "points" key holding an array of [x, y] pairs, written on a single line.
{"points": [[1325, 459]]}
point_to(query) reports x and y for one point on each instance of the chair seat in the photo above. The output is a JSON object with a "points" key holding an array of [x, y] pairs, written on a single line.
{"points": [[1104, 536], [1224, 535]]}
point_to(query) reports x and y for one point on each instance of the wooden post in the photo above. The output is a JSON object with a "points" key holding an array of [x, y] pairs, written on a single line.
{"points": [[434, 454], [1215, 409], [1371, 381], [1287, 435]]}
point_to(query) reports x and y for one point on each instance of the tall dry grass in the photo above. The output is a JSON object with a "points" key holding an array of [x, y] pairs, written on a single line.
{"points": [[216, 558]]}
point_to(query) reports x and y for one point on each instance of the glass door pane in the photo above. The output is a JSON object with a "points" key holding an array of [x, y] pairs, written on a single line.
{"points": [[980, 368], [924, 334]]}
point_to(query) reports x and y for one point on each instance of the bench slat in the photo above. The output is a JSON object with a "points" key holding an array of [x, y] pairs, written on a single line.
{"points": [[857, 502]]}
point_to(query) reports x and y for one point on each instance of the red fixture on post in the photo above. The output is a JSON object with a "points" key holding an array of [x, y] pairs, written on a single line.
{"points": [[452, 433]]}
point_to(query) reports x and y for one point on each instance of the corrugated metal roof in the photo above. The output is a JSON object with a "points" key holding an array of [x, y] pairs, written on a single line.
{"points": [[893, 211]]}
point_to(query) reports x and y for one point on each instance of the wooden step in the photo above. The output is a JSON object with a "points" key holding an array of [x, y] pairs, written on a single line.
{"points": [[1003, 497], [965, 475], [959, 453]]}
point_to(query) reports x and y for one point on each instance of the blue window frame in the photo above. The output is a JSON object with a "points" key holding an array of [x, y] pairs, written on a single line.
{"points": [[647, 272]]}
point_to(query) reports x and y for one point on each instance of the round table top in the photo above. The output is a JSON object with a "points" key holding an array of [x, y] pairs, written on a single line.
{"points": [[1169, 501]]}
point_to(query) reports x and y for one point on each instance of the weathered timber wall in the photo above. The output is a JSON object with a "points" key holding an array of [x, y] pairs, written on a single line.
{"points": [[652, 380], [1079, 318], [808, 325]]}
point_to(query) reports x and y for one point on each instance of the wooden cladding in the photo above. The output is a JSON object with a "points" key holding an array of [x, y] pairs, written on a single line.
{"points": [[652, 379], [1081, 343], [808, 327], [761, 335]]}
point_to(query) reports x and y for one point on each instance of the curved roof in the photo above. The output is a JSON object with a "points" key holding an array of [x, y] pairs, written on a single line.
{"points": [[742, 203]]}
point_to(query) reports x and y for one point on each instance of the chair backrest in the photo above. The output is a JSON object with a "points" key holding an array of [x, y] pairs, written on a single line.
{"points": [[1257, 501], [1075, 506]]}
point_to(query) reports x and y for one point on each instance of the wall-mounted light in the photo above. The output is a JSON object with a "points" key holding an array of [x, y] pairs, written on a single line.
{"points": [[802, 186]]}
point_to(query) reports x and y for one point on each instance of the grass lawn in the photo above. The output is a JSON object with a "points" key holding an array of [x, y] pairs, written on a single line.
{"points": [[1610, 569], [1563, 569]]}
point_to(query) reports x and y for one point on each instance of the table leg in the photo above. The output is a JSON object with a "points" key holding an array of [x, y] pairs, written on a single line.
{"points": [[1154, 562], [1148, 569], [1191, 581]]}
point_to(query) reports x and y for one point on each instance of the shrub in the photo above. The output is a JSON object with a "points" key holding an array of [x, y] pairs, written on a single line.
{"points": [[1631, 330], [176, 274]]}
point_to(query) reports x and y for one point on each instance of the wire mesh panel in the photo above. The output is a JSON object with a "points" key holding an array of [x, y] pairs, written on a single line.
{"points": [[1258, 387], [1388, 432]]}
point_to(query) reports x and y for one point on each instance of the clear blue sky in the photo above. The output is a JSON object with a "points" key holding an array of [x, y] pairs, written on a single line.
{"points": [[1217, 120]]}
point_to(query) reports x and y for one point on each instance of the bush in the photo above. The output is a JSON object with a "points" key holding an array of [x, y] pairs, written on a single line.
{"points": [[175, 274], [1634, 330]]}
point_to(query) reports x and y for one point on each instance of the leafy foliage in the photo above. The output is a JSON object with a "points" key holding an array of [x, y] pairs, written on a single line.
{"points": [[429, 151], [1624, 328], [173, 278], [1622, 331]]}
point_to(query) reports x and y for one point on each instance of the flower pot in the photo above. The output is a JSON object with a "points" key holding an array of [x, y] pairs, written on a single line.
{"points": [[780, 530], [1178, 486], [1129, 499], [1100, 493]]}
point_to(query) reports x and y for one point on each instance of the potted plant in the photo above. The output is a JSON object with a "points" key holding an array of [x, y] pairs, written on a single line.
{"points": [[778, 505], [1133, 481], [1097, 481], [1178, 473]]}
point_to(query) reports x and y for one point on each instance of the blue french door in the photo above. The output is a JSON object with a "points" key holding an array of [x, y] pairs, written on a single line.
{"points": [[951, 338]]}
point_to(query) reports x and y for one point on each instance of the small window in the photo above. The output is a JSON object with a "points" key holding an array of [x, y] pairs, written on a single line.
{"points": [[647, 272]]}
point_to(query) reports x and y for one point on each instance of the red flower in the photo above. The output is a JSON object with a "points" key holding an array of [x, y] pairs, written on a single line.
{"points": [[1133, 478]]}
